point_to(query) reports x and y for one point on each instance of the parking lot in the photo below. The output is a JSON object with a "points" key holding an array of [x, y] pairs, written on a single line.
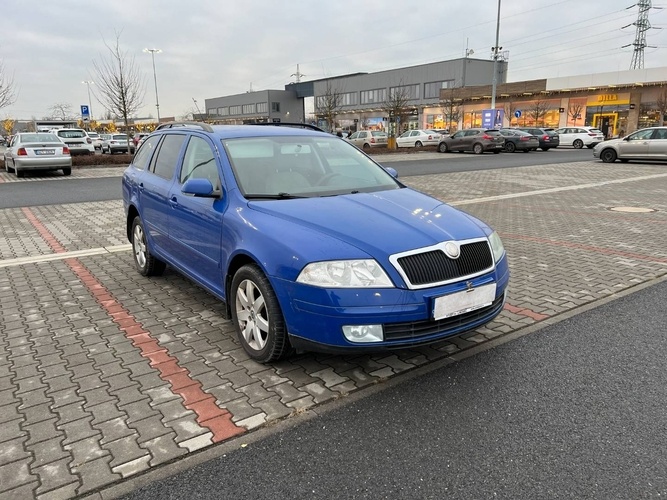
{"points": [[105, 374]]}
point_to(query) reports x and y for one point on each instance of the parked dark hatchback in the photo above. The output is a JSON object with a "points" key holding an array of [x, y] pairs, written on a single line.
{"points": [[477, 140], [548, 137], [518, 140]]}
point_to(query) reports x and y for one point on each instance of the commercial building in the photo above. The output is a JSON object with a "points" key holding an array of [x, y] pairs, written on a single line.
{"points": [[361, 97], [457, 94]]}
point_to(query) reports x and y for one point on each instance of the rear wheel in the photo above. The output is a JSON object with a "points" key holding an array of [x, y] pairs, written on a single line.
{"points": [[608, 155], [146, 263], [256, 314], [67, 171], [442, 148], [19, 173], [545, 149], [578, 144], [418, 144], [510, 147], [478, 149], [366, 146]]}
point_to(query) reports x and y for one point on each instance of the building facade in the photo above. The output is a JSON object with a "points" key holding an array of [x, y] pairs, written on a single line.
{"points": [[362, 97]]}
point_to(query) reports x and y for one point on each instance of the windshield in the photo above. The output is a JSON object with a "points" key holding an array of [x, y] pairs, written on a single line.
{"points": [[120, 137], [71, 134], [303, 166], [39, 138]]}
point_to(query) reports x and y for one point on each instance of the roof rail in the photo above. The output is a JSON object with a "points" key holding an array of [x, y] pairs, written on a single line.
{"points": [[290, 124], [204, 126]]}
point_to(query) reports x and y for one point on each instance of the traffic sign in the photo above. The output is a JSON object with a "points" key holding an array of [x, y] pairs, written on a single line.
{"points": [[517, 113], [85, 111]]}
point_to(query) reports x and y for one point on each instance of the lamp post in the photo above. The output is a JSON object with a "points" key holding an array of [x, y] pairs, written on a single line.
{"points": [[90, 104], [495, 62], [157, 101]]}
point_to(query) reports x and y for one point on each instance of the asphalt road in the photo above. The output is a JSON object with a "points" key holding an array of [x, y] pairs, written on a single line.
{"points": [[575, 410], [470, 161], [37, 193]]}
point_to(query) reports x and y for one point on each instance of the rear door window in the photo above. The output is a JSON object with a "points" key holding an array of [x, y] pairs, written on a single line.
{"points": [[168, 155], [145, 152]]}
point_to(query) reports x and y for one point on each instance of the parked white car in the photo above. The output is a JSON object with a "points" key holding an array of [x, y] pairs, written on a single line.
{"points": [[77, 140], [97, 140], [418, 138], [367, 139], [578, 137]]}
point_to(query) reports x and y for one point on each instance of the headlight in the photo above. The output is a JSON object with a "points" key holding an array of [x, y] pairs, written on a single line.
{"points": [[345, 274], [496, 246]]}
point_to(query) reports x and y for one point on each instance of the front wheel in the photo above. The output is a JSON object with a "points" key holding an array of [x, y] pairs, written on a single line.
{"points": [[146, 263], [478, 149], [442, 148], [608, 155], [257, 317], [578, 144]]}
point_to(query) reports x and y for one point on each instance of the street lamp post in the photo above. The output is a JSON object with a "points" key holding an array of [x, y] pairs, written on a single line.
{"points": [[157, 101], [494, 85], [90, 104]]}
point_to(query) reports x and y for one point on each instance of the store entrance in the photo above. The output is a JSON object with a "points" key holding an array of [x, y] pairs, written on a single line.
{"points": [[607, 122]]}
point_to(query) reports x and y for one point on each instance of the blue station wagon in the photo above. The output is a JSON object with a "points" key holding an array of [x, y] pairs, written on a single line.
{"points": [[309, 243]]}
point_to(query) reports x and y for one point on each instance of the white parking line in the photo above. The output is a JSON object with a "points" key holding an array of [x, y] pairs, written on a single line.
{"points": [[127, 247]]}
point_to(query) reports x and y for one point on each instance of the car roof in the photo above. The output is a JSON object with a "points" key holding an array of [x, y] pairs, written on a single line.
{"points": [[241, 131]]}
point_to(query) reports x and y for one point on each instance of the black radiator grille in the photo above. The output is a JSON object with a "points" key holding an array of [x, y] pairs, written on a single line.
{"points": [[435, 266]]}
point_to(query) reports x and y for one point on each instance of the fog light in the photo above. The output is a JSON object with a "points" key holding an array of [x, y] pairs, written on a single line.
{"points": [[363, 333]]}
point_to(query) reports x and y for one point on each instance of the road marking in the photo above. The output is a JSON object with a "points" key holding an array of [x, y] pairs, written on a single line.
{"points": [[556, 190], [209, 414], [64, 254]]}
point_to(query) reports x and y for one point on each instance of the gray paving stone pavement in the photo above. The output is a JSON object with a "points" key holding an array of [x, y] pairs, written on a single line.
{"points": [[105, 374]]}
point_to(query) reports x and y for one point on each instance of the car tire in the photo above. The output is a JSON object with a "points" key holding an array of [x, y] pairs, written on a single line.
{"points": [[590, 146], [510, 147], [608, 155], [418, 144], [624, 160], [145, 262], [496, 151], [545, 149], [257, 316], [18, 172], [67, 171], [478, 149], [442, 148], [366, 147], [578, 144]]}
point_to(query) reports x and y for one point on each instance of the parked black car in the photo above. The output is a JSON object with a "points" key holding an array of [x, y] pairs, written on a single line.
{"points": [[518, 140], [548, 137]]}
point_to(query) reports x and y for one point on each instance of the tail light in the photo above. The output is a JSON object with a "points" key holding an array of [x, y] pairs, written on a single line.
{"points": [[545, 137], [65, 150], [525, 138], [430, 138], [592, 134], [372, 140], [22, 152], [487, 137], [89, 140]]}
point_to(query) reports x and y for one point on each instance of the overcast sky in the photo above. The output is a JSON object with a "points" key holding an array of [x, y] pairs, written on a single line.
{"points": [[213, 48]]}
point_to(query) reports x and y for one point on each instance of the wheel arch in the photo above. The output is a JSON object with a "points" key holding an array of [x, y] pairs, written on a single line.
{"points": [[132, 212]]}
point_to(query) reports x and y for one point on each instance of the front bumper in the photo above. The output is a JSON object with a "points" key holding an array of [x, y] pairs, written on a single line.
{"points": [[315, 317]]}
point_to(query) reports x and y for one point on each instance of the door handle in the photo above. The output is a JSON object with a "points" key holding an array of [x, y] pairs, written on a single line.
{"points": [[141, 187], [173, 201]]}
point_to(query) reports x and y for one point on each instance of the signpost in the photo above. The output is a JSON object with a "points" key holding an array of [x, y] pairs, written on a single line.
{"points": [[85, 112]]}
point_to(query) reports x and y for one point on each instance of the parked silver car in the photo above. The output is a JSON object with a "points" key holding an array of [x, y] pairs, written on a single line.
{"points": [[645, 144], [117, 143], [366, 139], [37, 150]]}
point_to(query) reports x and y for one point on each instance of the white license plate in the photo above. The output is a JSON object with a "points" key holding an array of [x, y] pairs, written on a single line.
{"points": [[40, 152], [464, 301]]}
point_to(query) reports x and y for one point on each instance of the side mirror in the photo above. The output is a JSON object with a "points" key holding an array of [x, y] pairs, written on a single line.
{"points": [[201, 188], [392, 172]]}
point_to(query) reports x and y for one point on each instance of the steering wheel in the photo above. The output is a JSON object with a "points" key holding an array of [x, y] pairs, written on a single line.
{"points": [[325, 180]]}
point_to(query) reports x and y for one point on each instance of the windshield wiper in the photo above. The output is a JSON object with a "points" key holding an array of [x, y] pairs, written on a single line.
{"points": [[279, 196]]}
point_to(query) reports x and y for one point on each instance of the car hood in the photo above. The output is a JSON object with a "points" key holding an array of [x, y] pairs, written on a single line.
{"points": [[385, 222]]}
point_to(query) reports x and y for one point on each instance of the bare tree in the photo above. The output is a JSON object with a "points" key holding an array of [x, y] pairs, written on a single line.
{"points": [[396, 107], [328, 105], [538, 110], [661, 102], [451, 110], [7, 93], [510, 109], [574, 111], [61, 111], [120, 87]]}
